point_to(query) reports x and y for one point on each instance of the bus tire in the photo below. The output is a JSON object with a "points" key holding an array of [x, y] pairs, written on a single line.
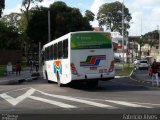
{"points": [[59, 81], [47, 77]]}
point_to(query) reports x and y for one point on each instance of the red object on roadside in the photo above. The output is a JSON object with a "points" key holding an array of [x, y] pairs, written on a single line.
{"points": [[18, 66]]}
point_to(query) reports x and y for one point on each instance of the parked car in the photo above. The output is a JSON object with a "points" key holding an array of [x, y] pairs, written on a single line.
{"points": [[136, 61], [141, 64], [117, 59]]}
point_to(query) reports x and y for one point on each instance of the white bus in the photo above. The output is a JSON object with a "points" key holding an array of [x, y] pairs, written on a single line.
{"points": [[76, 56]]}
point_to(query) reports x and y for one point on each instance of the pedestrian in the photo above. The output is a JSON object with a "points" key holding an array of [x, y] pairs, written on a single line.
{"points": [[9, 68], [31, 65], [37, 66], [155, 72], [18, 68]]}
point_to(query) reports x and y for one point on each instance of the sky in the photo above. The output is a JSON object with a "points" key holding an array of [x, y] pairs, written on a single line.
{"points": [[145, 13]]}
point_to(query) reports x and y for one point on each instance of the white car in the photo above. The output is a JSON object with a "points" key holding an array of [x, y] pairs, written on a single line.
{"points": [[141, 64], [136, 61]]}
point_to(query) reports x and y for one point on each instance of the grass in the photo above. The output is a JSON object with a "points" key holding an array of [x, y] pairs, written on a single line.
{"points": [[2, 70], [126, 71]]}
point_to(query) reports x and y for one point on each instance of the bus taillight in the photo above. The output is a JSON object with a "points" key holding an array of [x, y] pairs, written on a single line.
{"points": [[111, 68], [73, 69]]}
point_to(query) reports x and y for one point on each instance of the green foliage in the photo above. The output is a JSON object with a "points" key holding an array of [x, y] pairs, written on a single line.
{"points": [[64, 19], [141, 42], [89, 15], [12, 19], [128, 68], [9, 37], [2, 70], [2, 6], [37, 28], [110, 15], [26, 4], [151, 36]]}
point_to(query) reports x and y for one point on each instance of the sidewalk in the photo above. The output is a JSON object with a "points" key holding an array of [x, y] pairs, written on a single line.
{"points": [[25, 75]]}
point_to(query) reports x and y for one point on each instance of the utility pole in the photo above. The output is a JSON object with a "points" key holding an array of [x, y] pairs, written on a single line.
{"points": [[49, 27], [39, 55], [159, 38]]}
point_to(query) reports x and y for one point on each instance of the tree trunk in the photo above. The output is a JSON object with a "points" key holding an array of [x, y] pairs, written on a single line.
{"points": [[140, 51]]}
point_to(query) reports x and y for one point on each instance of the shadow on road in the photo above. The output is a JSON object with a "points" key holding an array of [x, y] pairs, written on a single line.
{"points": [[111, 86]]}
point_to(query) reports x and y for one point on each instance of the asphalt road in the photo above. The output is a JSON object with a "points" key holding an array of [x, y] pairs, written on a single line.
{"points": [[116, 97]]}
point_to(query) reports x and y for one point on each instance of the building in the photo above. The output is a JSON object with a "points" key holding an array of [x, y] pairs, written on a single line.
{"points": [[133, 47], [117, 44]]}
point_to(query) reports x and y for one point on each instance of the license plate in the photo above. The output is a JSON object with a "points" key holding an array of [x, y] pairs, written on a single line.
{"points": [[93, 68], [102, 70]]}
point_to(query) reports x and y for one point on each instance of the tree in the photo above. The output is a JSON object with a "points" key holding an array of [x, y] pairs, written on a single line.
{"points": [[9, 37], [141, 43], [12, 19], [37, 28], [62, 22], [26, 6], [2, 5], [151, 38], [89, 15], [110, 15]]}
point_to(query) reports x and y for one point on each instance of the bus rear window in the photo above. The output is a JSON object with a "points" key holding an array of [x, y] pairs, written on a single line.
{"points": [[143, 62]]}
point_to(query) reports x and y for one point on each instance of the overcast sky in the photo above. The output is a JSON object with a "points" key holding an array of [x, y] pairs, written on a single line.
{"points": [[145, 13]]}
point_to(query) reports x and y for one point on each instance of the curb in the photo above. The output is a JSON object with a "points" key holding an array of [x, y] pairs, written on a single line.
{"points": [[124, 76], [144, 82], [13, 82], [140, 81], [9, 82], [34, 76], [133, 77], [120, 76]]}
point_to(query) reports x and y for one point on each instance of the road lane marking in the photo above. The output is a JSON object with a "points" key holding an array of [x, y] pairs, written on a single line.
{"points": [[147, 103], [15, 101], [18, 90], [88, 101], [127, 103], [60, 104], [79, 100]]}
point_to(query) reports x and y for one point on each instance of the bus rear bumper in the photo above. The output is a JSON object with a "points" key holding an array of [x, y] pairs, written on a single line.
{"points": [[94, 76]]}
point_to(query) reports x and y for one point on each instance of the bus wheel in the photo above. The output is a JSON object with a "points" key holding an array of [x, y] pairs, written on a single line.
{"points": [[92, 84], [58, 80], [47, 77]]}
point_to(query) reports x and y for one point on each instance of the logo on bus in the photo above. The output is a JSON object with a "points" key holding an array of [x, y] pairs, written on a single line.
{"points": [[93, 60], [57, 66]]}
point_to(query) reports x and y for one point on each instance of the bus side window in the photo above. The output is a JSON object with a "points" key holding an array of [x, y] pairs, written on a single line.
{"points": [[55, 51], [42, 57], [51, 52], [47, 53], [44, 54], [60, 56], [65, 48]]}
